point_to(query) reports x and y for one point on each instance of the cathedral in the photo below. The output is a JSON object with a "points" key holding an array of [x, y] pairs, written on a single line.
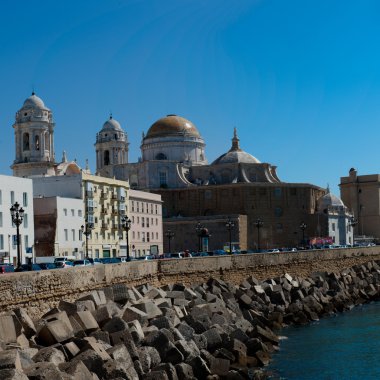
{"points": [[236, 186]]}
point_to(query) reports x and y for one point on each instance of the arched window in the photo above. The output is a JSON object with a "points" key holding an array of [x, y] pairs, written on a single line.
{"points": [[25, 142], [107, 157], [161, 156], [37, 142]]}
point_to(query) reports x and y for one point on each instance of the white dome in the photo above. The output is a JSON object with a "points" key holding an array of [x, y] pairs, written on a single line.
{"points": [[329, 200], [111, 124], [34, 101]]}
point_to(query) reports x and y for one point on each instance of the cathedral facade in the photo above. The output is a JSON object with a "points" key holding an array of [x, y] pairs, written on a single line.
{"points": [[173, 163]]}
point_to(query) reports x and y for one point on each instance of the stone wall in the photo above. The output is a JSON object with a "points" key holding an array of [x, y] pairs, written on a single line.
{"points": [[39, 291]]}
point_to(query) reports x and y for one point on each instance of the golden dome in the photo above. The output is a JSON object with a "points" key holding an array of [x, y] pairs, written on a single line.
{"points": [[172, 125]]}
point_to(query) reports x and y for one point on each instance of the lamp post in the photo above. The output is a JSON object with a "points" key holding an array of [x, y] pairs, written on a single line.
{"points": [[169, 234], [86, 230], [303, 226], [258, 224], [17, 214], [126, 222], [199, 229], [230, 225], [353, 223]]}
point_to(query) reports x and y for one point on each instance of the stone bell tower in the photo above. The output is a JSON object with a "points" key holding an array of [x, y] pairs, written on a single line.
{"points": [[34, 139]]}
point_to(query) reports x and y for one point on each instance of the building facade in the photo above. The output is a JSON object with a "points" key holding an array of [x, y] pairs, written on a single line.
{"points": [[145, 212], [14, 190], [57, 223], [361, 194]]}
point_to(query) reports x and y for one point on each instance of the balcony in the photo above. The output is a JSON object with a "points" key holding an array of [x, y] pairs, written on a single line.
{"points": [[89, 193], [104, 226], [103, 210], [103, 195]]}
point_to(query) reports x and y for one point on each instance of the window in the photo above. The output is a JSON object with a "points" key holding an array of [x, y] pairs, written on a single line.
{"points": [[162, 178], [151, 208], [161, 156], [106, 157], [80, 213], [66, 232], [80, 235], [1, 241], [277, 192], [143, 222], [138, 207], [1, 197], [73, 233], [156, 235], [133, 219], [25, 142], [333, 226], [25, 199], [133, 234], [65, 211], [26, 241], [12, 197], [1, 219], [96, 235], [138, 235], [147, 237], [156, 221], [72, 212], [147, 222], [293, 191], [143, 237], [133, 206], [25, 220], [156, 209], [138, 220], [279, 227], [37, 142]]}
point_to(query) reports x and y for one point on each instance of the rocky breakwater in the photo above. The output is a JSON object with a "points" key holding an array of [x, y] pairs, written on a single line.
{"points": [[213, 330]]}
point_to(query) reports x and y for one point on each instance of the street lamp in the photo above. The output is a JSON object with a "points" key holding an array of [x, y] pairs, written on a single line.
{"points": [[230, 225], [169, 234], [86, 230], [199, 229], [303, 228], [258, 224], [126, 222], [17, 214]]}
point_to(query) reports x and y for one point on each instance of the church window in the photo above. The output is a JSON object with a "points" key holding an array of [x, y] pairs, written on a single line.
{"points": [[37, 142], [25, 114], [161, 156], [106, 157], [26, 141], [277, 192], [163, 178], [293, 191], [279, 227]]}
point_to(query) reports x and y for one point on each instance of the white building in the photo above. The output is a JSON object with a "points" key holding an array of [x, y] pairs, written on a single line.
{"points": [[58, 224], [145, 212], [339, 219], [12, 190]]}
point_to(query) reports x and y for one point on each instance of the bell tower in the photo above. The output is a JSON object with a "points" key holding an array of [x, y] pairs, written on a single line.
{"points": [[111, 148], [34, 139]]}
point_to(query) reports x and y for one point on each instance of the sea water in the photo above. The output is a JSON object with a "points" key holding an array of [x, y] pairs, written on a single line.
{"points": [[345, 346]]}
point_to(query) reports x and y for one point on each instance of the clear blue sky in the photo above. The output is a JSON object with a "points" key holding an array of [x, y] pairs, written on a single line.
{"points": [[299, 79]]}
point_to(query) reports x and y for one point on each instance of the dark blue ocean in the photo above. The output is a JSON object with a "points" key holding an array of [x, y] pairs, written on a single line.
{"points": [[346, 346]]}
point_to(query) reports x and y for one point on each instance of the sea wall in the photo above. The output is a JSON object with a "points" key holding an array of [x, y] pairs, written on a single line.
{"points": [[39, 291]]}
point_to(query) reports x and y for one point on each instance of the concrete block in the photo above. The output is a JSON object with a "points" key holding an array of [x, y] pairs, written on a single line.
{"points": [[76, 327], [184, 371], [136, 331], [26, 322], [8, 332], [76, 369], [85, 305], [169, 369], [124, 337], [98, 348], [106, 312], [50, 355], [71, 349], [200, 368], [10, 359], [86, 321], [149, 308], [55, 331], [12, 374], [120, 353], [69, 307], [213, 338], [44, 371], [220, 366], [115, 324], [120, 293], [131, 313]]}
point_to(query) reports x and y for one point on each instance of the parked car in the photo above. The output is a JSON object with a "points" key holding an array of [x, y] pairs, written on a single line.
{"points": [[27, 267], [6, 268], [94, 261], [81, 263], [63, 264], [273, 250], [47, 266]]}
